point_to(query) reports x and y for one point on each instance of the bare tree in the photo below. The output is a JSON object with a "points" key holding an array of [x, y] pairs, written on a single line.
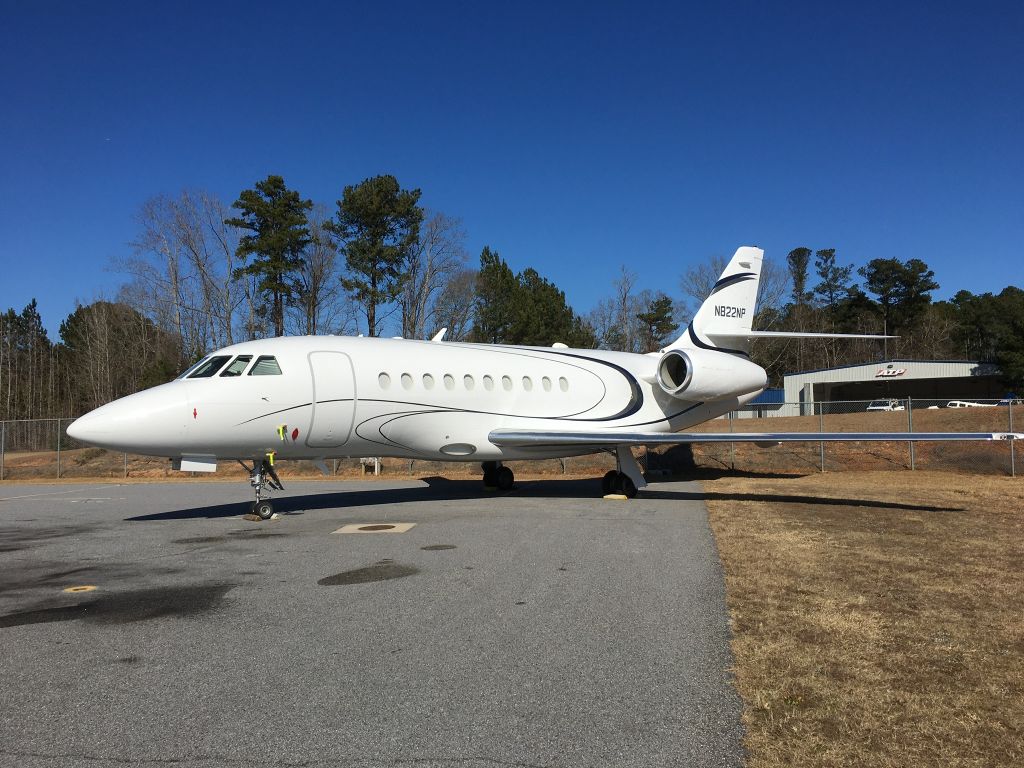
{"points": [[698, 280], [453, 308], [182, 268], [323, 306], [436, 258]]}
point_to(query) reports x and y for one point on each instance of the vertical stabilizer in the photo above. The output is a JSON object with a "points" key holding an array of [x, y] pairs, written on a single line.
{"points": [[724, 319]]}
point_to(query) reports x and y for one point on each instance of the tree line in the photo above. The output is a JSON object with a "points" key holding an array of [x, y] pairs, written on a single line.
{"points": [[203, 274]]}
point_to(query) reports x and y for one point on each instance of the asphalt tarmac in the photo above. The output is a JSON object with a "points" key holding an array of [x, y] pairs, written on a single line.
{"points": [[545, 627]]}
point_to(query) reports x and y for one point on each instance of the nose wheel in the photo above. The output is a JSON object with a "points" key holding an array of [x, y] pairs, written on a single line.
{"points": [[497, 476], [263, 479]]}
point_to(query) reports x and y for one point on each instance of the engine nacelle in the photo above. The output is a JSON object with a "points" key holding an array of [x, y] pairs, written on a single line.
{"points": [[706, 375]]}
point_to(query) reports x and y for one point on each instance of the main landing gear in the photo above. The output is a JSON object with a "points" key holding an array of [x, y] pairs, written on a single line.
{"points": [[618, 482], [261, 477], [626, 478], [497, 476]]}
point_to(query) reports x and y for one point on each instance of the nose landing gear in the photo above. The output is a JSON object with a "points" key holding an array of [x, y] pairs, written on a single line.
{"points": [[262, 477], [497, 476]]}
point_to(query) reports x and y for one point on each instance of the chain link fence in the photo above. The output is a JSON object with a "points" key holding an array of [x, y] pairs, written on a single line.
{"points": [[41, 448]]}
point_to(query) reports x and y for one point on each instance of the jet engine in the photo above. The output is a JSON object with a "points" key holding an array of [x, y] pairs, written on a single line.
{"points": [[707, 375]]}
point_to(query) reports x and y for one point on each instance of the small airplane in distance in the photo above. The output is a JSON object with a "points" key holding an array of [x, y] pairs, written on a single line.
{"points": [[321, 397]]}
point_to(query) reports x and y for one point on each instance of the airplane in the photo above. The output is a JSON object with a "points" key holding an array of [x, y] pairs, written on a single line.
{"points": [[325, 397]]}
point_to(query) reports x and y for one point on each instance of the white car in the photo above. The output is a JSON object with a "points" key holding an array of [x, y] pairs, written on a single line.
{"points": [[968, 404], [890, 404]]}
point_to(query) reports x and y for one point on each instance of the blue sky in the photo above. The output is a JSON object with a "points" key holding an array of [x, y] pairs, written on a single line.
{"points": [[571, 137]]}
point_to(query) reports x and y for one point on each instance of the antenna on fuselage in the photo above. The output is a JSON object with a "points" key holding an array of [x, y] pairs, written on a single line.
{"points": [[439, 336]]}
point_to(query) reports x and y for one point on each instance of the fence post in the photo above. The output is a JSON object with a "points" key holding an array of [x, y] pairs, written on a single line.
{"points": [[821, 428], [1013, 457], [732, 446], [910, 428], [58, 449], [3, 446]]}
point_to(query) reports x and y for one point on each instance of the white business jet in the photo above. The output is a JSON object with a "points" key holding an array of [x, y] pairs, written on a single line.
{"points": [[320, 397]]}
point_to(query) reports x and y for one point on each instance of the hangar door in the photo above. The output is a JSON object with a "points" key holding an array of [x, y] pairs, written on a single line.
{"points": [[334, 399]]}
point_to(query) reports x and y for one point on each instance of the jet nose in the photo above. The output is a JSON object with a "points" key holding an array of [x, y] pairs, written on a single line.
{"points": [[151, 422], [85, 428]]}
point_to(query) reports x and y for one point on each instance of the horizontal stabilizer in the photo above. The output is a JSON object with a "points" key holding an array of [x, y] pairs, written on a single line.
{"points": [[607, 437], [725, 337]]}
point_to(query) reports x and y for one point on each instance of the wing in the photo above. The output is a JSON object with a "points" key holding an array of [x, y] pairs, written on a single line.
{"points": [[525, 438]]}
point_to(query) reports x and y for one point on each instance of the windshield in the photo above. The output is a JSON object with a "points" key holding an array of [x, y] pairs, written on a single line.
{"points": [[209, 367], [191, 368]]}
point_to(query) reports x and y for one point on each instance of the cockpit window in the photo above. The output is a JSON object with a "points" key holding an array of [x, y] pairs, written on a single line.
{"points": [[196, 364], [209, 367], [265, 365], [237, 366]]}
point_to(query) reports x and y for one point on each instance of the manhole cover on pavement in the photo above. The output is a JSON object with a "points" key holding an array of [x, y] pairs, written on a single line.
{"points": [[375, 528]]}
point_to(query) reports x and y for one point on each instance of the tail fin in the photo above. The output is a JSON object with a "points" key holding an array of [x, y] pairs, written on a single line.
{"points": [[723, 321]]}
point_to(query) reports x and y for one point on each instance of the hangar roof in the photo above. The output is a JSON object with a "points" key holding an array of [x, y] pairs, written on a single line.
{"points": [[898, 369]]}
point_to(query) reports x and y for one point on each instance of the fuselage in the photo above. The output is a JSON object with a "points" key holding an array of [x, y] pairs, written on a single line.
{"points": [[317, 397]]}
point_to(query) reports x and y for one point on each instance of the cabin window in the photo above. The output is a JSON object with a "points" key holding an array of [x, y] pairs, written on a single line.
{"points": [[265, 365], [527, 383], [428, 381], [546, 382], [563, 383], [468, 382], [384, 380], [210, 367], [237, 366], [449, 381], [406, 381], [488, 383], [506, 383]]}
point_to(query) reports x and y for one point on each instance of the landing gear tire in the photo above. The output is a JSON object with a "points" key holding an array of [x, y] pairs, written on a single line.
{"points": [[505, 479], [628, 487], [618, 482], [490, 469], [264, 509]]}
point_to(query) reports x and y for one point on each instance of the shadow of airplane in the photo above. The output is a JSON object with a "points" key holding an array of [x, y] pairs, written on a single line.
{"points": [[443, 489], [784, 498]]}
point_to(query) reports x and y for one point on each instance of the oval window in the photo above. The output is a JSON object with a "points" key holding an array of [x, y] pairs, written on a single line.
{"points": [[468, 381], [506, 382], [527, 383], [406, 381], [547, 384], [449, 381], [488, 383], [563, 383], [428, 381], [384, 380]]}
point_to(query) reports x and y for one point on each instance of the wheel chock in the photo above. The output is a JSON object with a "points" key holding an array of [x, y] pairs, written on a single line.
{"points": [[615, 497]]}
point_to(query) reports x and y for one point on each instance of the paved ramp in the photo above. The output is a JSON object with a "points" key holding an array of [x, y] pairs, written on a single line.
{"points": [[541, 628]]}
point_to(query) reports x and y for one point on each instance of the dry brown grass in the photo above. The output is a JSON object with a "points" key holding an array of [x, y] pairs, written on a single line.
{"points": [[877, 616]]}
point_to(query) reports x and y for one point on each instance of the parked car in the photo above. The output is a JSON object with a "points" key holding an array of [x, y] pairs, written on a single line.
{"points": [[889, 404]]}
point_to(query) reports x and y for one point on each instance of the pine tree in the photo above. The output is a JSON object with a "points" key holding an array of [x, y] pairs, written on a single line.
{"points": [[378, 224], [276, 217]]}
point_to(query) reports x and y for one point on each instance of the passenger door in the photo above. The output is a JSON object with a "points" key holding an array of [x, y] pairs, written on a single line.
{"points": [[334, 399]]}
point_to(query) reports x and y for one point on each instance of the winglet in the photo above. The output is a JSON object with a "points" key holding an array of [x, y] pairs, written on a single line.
{"points": [[439, 336]]}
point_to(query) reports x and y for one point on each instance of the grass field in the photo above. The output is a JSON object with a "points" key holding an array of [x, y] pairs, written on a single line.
{"points": [[878, 617]]}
